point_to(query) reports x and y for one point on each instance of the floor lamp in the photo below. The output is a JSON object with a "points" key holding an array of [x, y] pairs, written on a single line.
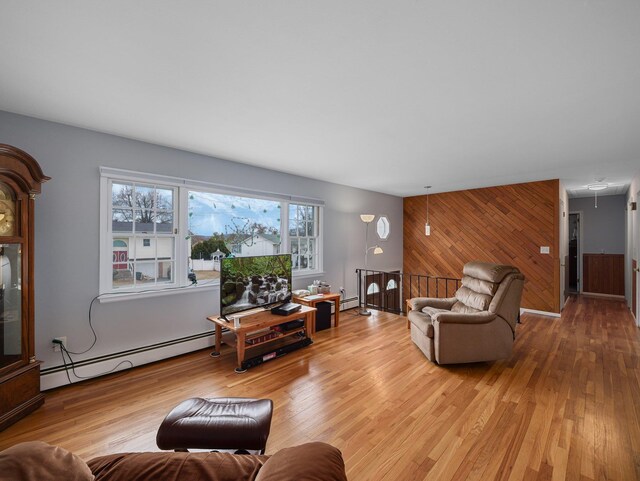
{"points": [[367, 219]]}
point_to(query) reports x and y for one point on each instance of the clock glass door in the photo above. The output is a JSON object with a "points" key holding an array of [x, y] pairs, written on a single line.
{"points": [[10, 304], [11, 342]]}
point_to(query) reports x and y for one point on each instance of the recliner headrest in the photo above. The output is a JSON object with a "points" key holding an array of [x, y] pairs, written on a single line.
{"points": [[487, 271]]}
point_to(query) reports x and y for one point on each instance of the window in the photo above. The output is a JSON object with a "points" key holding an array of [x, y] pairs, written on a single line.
{"points": [[160, 231], [142, 234], [383, 227], [303, 236], [242, 226], [373, 288]]}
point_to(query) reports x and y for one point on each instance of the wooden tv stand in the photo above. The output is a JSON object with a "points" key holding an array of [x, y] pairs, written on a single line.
{"points": [[253, 322]]}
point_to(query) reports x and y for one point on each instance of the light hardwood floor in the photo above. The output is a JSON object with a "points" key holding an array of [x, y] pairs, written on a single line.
{"points": [[566, 405]]}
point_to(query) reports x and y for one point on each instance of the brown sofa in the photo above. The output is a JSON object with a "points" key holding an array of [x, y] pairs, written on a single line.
{"points": [[477, 324], [38, 461]]}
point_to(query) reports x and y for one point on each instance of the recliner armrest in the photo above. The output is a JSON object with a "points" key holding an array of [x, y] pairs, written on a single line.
{"points": [[418, 303], [461, 318]]}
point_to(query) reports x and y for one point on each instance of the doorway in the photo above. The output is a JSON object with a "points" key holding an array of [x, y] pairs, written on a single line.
{"points": [[575, 252]]}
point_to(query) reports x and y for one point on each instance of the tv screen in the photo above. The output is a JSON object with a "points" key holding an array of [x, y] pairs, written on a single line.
{"points": [[249, 282]]}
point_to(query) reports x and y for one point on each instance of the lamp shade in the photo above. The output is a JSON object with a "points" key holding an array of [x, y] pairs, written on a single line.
{"points": [[377, 250], [367, 217]]}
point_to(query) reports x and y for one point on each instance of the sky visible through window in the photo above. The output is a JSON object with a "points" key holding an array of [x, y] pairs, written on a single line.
{"points": [[224, 214]]}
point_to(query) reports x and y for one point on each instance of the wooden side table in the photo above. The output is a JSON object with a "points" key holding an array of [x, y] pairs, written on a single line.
{"points": [[331, 297]]}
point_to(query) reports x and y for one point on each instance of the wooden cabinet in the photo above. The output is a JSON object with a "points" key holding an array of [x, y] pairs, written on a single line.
{"points": [[603, 273], [20, 181]]}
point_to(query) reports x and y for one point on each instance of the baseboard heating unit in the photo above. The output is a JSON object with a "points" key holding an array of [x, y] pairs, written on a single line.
{"points": [[281, 351]]}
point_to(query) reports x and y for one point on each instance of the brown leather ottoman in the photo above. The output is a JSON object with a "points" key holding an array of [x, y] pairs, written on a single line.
{"points": [[218, 424]]}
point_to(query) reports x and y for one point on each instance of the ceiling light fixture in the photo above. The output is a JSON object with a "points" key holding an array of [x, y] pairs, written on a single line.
{"points": [[596, 187], [427, 227]]}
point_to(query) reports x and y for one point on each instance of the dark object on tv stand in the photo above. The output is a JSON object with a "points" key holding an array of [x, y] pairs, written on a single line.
{"points": [[286, 309], [281, 351], [292, 325]]}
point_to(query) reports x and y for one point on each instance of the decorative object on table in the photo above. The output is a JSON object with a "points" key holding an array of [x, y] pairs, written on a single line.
{"points": [[367, 219], [427, 226], [301, 293], [321, 287]]}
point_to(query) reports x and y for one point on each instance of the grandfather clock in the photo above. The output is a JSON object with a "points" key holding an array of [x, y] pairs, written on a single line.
{"points": [[20, 181]]}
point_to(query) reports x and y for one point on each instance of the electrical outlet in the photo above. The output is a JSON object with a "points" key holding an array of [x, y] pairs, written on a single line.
{"points": [[343, 292], [62, 339]]}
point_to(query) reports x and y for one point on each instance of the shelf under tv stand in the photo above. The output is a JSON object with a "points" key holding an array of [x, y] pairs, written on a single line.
{"points": [[257, 321]]}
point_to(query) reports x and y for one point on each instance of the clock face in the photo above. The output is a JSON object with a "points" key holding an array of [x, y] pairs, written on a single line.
{"points": [[7, 211]]}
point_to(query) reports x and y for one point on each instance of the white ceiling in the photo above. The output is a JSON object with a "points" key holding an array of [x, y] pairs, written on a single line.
{"points": [[383, 95]]}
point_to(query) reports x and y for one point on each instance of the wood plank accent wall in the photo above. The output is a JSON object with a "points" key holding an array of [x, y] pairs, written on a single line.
{"points": [[505, 224], [603, 273]]}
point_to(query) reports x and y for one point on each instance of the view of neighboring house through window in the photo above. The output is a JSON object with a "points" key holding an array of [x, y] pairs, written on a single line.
{"points": [[221, 225], [142, 230], [162, 231]]}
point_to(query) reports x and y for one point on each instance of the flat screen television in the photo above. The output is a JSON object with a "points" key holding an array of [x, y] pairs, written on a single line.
{"points": [[257, 281]]}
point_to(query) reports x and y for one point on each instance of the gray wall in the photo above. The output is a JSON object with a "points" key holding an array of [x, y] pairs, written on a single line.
{"points": [[67, 235], [603, 229]]}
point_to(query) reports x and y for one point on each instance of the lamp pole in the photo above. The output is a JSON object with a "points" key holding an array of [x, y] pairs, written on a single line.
{"points": [[367, 219]]}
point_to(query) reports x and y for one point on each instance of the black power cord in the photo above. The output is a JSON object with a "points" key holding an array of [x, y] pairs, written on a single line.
{"points": [[64, 350], [113, 294]]}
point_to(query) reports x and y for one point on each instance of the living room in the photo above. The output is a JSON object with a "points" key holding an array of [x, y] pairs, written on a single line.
{"points": [[507, 112]]}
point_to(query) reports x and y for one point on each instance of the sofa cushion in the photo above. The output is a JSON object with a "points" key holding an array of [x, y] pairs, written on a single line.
{"points": [[308, 462], [38, 461], [422, 321], [473, 299], [417, 303], [430, 311], [480, 286], [487, 271], [460, 308], [169, 466]]}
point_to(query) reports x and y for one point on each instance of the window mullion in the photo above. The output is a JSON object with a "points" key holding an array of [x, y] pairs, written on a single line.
{"points": [[181, 248], [284, 228]]}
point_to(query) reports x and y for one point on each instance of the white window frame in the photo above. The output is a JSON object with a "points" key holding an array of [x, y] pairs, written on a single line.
{"points": [[181, 223], [317, 238], [107, 234]]}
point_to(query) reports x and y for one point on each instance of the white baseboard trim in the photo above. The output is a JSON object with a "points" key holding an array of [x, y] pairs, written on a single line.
{"points": [[57, 376], [604, 296], [348, 303], [540, 313]]}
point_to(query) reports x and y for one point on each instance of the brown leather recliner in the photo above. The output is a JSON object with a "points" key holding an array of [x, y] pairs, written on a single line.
{"points": [[478, 324]]}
